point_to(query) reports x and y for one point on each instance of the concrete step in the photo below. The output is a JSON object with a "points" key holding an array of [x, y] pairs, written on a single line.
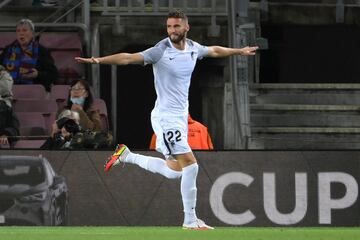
{"points": [[305, 116], [304, 107], [300, 115], [305, 138], [305, 119], [305, 94], [292, 115], [321, 130], [306, 86]]}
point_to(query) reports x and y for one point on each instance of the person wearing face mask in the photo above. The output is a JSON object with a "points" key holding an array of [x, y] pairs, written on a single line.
{"points": [[27, 61], [80, 100], [65, 128], [68, 134]]}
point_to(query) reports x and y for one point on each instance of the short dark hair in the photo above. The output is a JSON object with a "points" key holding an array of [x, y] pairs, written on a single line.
{"points": [[177, 13]]}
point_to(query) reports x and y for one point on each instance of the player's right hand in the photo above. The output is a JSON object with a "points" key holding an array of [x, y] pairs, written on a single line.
{"points": [[91, 60]]}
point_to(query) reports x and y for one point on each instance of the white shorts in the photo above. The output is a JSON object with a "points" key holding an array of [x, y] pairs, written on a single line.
{"points": [[171, 134]]}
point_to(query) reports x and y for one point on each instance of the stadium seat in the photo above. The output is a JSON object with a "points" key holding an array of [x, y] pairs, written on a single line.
{"points": [[29, 91], [47, 107], [32, 124], [64, 47], [60, 93], [101, 105], [5, 146], [29, 143], [35, 105], [61, 40], [49, 120], [6, 38], [69, 70]]}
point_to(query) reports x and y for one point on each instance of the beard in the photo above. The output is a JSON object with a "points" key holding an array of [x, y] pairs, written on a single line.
{"points": [[177, 38]]}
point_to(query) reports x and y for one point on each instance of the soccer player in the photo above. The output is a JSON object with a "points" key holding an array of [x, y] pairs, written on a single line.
{"points": [[173, 60]]}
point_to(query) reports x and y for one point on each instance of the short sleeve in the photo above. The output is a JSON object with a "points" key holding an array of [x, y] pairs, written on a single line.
{"points": [[152, 55], [203, 51]]}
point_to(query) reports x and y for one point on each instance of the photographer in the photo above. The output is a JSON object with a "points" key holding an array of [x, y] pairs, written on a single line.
{"points": [[67, 127], [67, 134]]}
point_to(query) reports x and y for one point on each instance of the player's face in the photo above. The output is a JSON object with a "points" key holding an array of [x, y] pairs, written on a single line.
{"points": [[24, 34], [177, 29]]}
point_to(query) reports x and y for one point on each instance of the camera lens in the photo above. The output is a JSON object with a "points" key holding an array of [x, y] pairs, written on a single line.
{"points": [[71, 126], [61, 122]]}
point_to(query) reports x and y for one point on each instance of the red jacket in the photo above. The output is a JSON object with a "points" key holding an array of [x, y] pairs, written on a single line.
{"points": [[198, 136]]}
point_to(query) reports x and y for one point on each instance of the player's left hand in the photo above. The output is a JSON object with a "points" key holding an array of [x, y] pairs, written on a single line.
{"points": [[249, 51]]}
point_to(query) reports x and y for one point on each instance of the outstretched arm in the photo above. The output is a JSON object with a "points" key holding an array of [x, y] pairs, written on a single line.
{"points": [[117, 59], [218, 51]]}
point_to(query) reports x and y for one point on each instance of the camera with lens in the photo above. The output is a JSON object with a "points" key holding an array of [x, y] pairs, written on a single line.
{"points": [[69, 124]]}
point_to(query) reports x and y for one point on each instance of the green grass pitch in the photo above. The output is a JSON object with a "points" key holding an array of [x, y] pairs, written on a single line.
{"points": [[174, 233]]}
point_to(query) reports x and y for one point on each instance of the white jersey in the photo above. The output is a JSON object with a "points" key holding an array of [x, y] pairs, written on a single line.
{"points": [[172, 70]]}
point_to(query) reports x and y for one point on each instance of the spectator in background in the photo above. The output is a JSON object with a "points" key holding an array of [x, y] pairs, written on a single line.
{"points": [[64, 129], [80, 100], [198, 136], [69, 134], [27, 61], [9, 123]]}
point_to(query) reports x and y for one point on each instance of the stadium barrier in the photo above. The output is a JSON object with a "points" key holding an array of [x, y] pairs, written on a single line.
{"points": [[235, 188]]}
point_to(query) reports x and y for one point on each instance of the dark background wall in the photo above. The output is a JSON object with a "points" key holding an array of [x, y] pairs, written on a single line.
{"points": [[131, 196], [310, 53]]}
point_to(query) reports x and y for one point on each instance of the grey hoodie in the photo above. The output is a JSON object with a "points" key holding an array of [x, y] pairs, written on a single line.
{"points": [[6, 84]]}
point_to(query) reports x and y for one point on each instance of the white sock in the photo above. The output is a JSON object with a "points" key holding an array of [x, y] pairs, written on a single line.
{"points": [[188, 192], [152, 164]]}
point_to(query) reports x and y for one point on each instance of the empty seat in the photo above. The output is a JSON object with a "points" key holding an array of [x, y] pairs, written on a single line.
{"points": [[5, 146], [64, 48], [32, 91], [35, 105], [7, 38], [47, 108], [29, 144], [32, 124], [69, 70], [60, 93], [61, 40], [101, 105], [49, 120]]}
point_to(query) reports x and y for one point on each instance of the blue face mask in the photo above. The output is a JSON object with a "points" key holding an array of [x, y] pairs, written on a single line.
{"points": [[78, 101]]}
